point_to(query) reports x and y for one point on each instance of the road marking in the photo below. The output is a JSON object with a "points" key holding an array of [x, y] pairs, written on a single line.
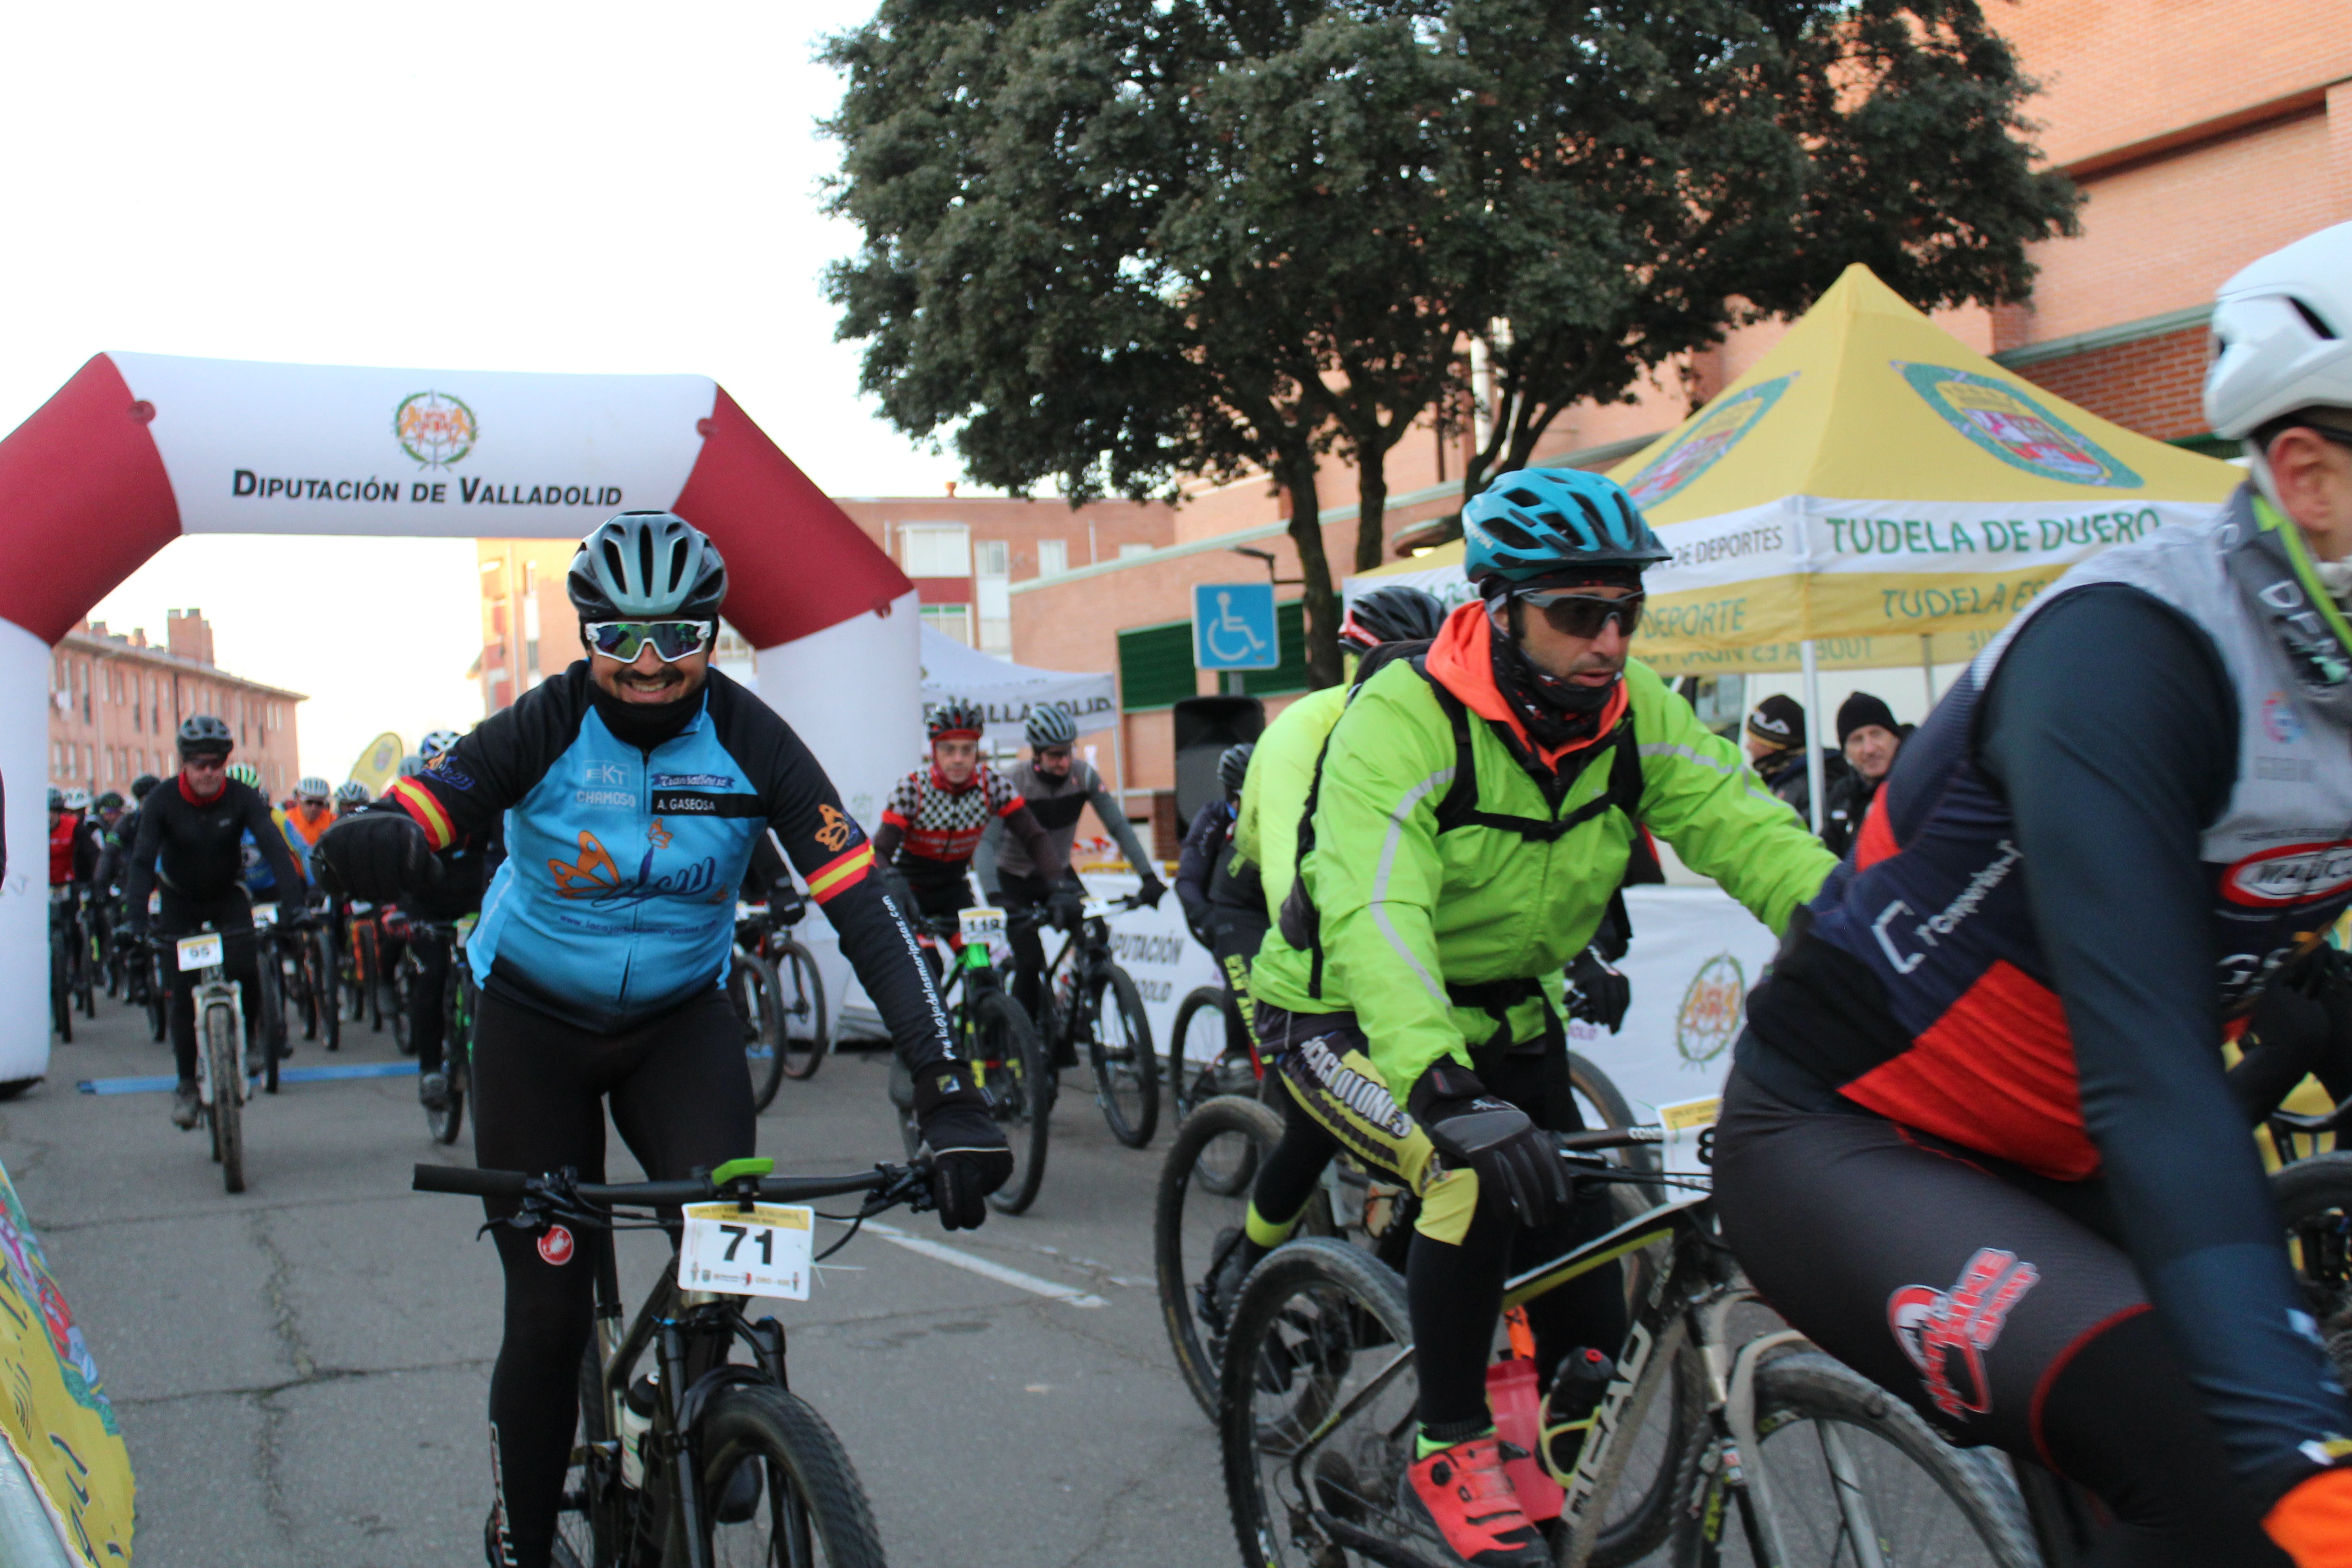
{"points": [[285, 1075], [985, 1268]]}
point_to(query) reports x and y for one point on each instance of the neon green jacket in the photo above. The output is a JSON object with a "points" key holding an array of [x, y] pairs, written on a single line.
{"points": [[1404, 909], [1274, 797]]}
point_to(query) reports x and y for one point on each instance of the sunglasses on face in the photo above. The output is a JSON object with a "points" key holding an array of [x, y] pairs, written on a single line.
{"points": [[624, 640], [1053, 753], [200, 764], [1576, 615]]}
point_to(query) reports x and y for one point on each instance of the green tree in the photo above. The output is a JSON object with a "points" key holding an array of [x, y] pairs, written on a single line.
{"points": [[1118, 242]]}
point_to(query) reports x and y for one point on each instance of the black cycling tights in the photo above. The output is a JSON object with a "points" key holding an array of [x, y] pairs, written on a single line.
{"points": [[428, 999], [1995, 1301], [680, 1099]]}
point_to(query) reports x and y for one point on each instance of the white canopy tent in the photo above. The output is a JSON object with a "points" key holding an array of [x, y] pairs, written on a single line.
{"points": [[1006, 691]]}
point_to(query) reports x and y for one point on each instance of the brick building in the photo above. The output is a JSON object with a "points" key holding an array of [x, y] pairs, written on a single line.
{"points": [[963, 553], [2201, 138], [116, 703]]}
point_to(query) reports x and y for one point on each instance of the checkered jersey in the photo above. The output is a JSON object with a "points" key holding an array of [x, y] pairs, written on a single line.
{"points": [[944, 825]]}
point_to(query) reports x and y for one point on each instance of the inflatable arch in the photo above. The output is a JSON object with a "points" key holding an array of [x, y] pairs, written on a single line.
{"points": [[137, 449]]}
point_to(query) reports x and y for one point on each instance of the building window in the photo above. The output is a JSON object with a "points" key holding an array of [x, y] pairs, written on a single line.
{"points": [[530, 627], [935, 550], [993, 558], [1053, 557], [949, 620], [1155, 666]]}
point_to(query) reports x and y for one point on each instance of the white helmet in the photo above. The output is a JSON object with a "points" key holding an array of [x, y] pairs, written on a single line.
{"points": [[77, 800], [2283, 335], [436, 743], [310, 786]]}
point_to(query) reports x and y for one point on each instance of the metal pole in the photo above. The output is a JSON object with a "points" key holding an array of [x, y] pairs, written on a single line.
{"points": [[1815, 784], [1928, 665]]}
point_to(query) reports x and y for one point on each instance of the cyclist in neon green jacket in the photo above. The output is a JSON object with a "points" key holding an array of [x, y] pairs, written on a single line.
{"points": [[1474, 812]]}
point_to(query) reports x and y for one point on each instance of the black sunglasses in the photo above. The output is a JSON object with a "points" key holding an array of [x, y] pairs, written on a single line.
{"points": [[1576, 615]]}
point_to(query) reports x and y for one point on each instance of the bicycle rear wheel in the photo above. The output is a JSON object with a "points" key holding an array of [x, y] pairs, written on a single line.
{"points": [[1200, 1066], [1120, 1052], [800, 997], [1598, 1096], [1195, 1215], [225, 1052], [777, 1487], [456, 1061], [1020, 1084], [751, 987], [1855, 1474]]}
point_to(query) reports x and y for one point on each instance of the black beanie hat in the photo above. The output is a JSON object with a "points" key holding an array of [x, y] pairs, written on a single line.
{"points": [[1779, 719], [1861, 711]]}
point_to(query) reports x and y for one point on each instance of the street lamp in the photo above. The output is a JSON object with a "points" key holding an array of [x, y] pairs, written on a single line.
{"points": [[1267, 556]]}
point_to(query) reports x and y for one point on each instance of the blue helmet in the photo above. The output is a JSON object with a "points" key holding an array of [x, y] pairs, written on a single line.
{"points": [[1538, 525]]}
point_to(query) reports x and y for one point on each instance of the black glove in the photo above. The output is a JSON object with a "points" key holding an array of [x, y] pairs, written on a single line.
{"points": [[969, 1156], [1153, 890], [1514, 1159], [1064, 907], [1603, 992], [375, 856]]}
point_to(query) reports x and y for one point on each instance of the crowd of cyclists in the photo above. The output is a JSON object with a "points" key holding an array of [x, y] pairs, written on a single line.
{"points": [[1977, 1143]]}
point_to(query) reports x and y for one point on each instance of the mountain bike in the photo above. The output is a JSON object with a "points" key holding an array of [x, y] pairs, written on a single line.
{"points": [[804, 1026], [269, 990], [1211, 1051], [65, 943], [224, 1074], [697, 1460], [364, 982], [993, 1032], [1814, 1463], [1094, 1005], [458, 995], [305, 973], [1204, 1191]]}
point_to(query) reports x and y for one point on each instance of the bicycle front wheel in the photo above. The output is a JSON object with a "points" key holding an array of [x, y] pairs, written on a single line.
{"points": [[1196, 1217], [1199, 1068], [326, 981], [1020, 1084], [588, 1521], [1597, 1098], [2315, 1199], [778, 1488], [1119, 1049], [800, 997], [271, 1031], [1315, 1421], [225, 1052], [1855, 1476]]}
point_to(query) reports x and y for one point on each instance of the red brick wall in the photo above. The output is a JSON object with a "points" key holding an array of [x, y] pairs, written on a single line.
{"points": [[2153, 385]]}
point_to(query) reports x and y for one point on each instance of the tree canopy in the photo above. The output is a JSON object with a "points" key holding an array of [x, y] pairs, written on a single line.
{"points": [[1114, 244]]}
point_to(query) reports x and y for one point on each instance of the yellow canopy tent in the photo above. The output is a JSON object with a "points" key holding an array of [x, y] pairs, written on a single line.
{"points": [[1872, 493]]}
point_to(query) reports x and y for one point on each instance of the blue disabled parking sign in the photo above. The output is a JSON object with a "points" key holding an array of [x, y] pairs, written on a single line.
{"points": [[1232, 626]]}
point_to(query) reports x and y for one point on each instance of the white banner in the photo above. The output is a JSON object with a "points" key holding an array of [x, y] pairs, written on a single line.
{"points": [[1007, 692], [253, 448], [1696, 954]]}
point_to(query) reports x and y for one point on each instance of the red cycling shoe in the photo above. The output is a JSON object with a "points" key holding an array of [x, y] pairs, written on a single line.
{"points": [[1464, 1493]]}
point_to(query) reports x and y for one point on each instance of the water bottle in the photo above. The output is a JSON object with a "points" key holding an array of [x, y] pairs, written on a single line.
{"points": [[636, 1420], [1577, 1389]]}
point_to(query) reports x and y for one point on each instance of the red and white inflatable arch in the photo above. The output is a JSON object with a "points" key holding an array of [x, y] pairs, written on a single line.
{"points": [[137, 450]]}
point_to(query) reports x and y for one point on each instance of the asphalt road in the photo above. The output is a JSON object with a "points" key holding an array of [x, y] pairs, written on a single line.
{"points": [[301, 1370]]}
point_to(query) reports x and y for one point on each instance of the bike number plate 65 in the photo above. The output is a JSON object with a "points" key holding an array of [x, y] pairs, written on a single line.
{"points": [[200, 951], [981, 925], [768, 1251]]}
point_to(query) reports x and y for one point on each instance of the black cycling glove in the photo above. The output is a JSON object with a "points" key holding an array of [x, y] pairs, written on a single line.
{"points": [[1603, 992], [1063, 907], [970, 1159], [375, 856], [1515, 1160], [1153, 890]]}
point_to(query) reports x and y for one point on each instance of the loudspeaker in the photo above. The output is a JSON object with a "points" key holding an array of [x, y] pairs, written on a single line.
{"points": [[1205, 727]]}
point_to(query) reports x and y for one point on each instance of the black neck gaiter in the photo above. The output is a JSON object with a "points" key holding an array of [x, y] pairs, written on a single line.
{"points": [[1556, 713], [645, 725]]}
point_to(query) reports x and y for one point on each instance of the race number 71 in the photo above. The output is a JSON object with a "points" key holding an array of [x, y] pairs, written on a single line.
{"points": [[766, 1250]]}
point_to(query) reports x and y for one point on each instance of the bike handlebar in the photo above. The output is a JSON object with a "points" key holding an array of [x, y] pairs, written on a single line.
{"points": [[465, 1181]]}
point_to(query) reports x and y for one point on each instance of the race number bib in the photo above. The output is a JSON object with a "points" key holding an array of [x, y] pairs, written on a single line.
{"points": [[1690, 1123], [200, 951], [981, 925], [765, 1251], [265, 916]]}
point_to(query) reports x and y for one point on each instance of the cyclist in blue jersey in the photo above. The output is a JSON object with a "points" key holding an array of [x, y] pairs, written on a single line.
{"points": [[632, 787]]}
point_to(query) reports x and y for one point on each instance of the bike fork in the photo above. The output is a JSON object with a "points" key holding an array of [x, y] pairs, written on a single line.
{"points": [[685, 1500]]}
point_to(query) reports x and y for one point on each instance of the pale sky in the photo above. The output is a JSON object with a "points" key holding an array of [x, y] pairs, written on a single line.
{"points": [[582, 187]]}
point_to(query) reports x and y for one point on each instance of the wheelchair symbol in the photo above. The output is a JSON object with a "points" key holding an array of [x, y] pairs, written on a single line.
{"points": [[1228, 624]]}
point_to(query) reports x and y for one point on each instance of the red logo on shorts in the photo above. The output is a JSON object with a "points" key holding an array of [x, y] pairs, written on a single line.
{"points": [[555, 1246], [1947, 1333]]}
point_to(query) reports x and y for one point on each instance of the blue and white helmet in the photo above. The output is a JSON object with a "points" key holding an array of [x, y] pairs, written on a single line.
{"points": [[1538, 525]]}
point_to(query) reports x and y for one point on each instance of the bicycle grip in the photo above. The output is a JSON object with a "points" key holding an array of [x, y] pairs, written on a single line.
{"points": [[466, 1181]]}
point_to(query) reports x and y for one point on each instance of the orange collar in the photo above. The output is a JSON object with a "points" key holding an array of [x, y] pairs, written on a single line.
{"points": [[1461, 659]]}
